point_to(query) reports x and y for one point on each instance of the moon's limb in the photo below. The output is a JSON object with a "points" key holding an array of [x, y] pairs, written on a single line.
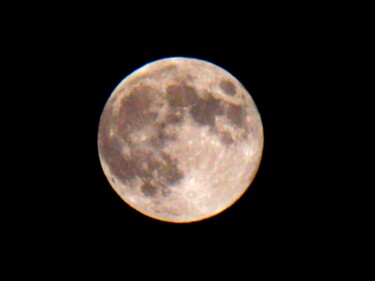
{"points": [[180, 139]]}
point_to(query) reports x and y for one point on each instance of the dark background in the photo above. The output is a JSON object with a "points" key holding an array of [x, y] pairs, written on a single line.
{"points": [[274, 68], [284, 60]]}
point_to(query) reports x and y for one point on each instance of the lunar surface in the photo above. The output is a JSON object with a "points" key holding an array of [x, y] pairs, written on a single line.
{"points": [[180, 140]]}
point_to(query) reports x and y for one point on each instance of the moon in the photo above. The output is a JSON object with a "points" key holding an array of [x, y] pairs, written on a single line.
{"points": [[180, 139]]}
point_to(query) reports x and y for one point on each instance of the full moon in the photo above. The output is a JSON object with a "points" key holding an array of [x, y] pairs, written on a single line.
{"points": [[180, 140]]}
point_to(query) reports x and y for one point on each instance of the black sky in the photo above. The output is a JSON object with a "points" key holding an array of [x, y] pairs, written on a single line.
{"points": [[279, 62]]}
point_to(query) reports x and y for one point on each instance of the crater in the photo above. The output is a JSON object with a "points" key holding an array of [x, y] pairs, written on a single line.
{"points": [[140, 163], [228, 87], [163, 173], [150, 165], [135, 110], [110, 149], [156, 74], [205, 111], [181, 95], [144, 162], [148, 189], [167, 70], [174, 117], [226, 138], [121, 168], [159, 139], [169, 171], [236, 114]]}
